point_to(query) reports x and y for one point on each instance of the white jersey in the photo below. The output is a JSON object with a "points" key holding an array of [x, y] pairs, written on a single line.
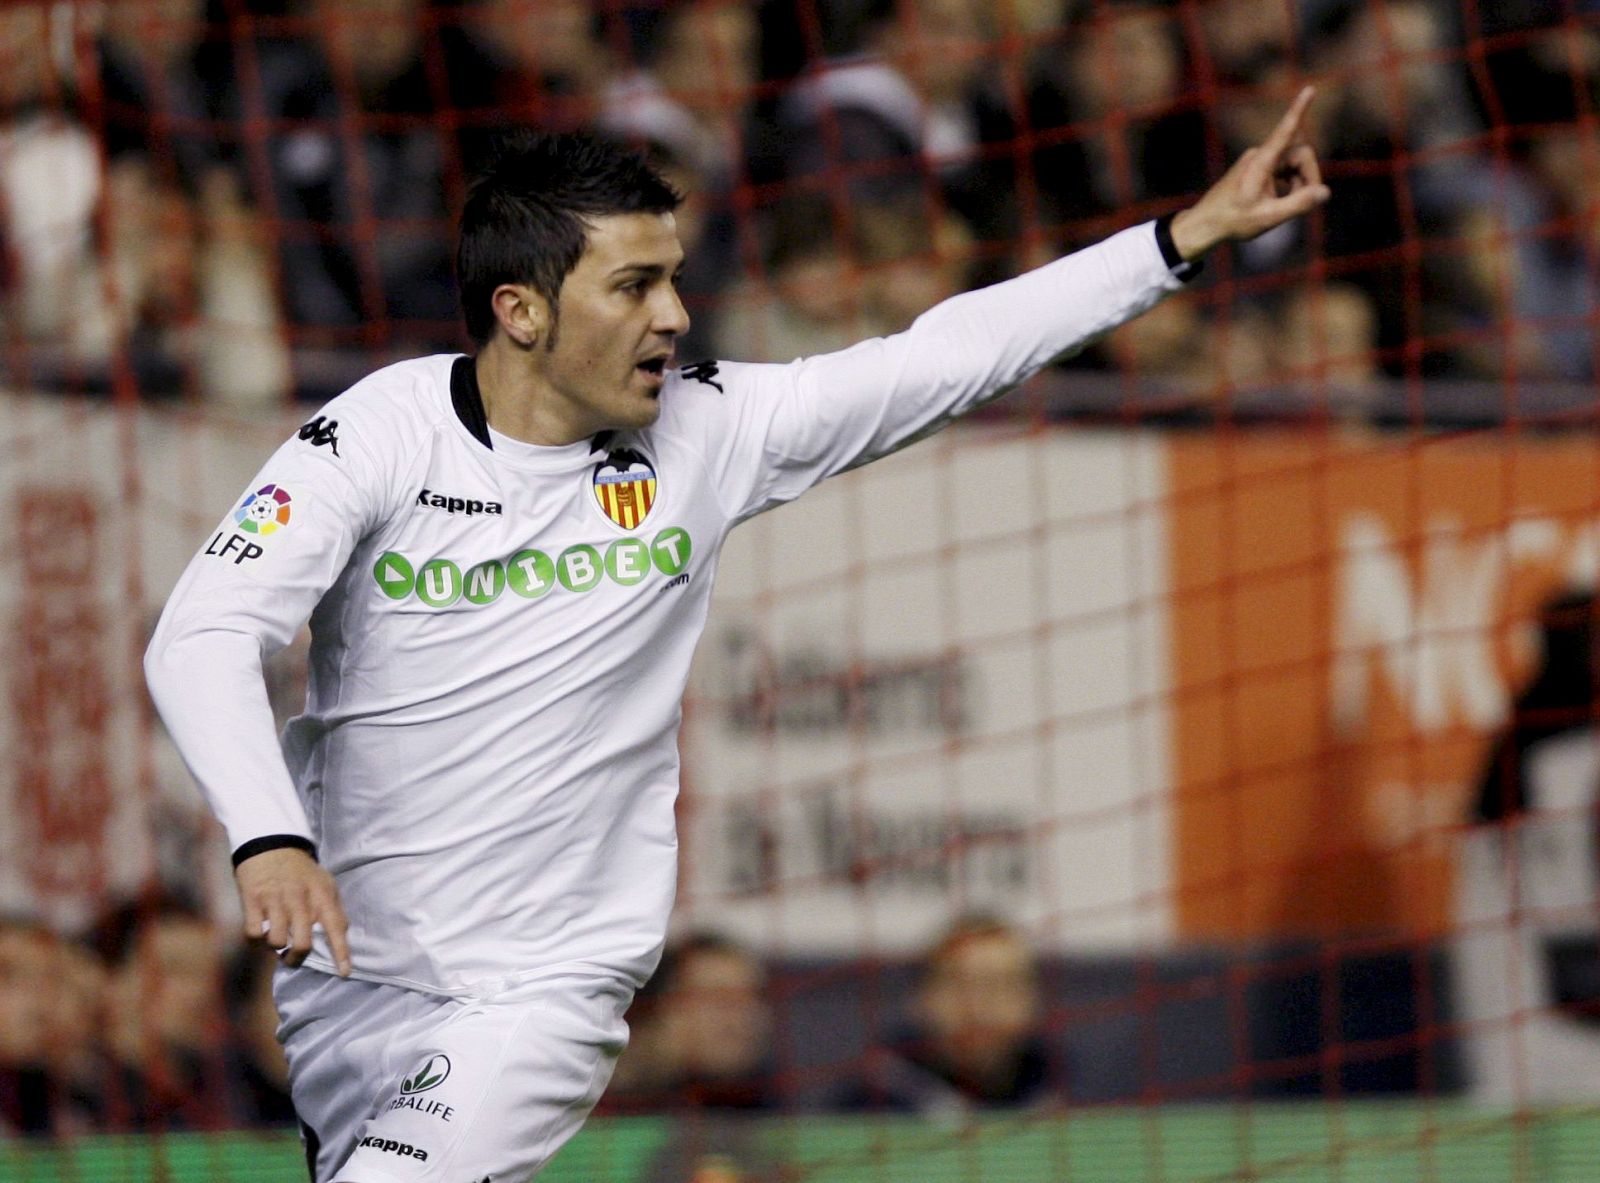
{"points": [[501, 632]]}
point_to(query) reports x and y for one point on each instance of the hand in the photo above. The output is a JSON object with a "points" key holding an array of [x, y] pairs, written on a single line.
{"points": [[1267, 186], [284, 893]]}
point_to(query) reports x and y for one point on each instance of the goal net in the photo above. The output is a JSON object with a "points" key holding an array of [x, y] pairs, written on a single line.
{"points": [[1184, 770]]}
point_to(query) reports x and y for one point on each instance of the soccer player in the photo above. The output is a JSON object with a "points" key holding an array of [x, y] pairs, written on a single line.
{"points": [[464, 848]]}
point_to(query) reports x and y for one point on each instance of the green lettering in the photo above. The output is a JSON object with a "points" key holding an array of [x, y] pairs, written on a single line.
{"points": [[579, 568], [627, 561], [531, 573], [671, 550], [439, 583], [485, 582]]}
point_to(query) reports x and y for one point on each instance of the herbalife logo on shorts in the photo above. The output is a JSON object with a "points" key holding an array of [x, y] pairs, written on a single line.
{"points": [[532, 573], [431, 1074]]}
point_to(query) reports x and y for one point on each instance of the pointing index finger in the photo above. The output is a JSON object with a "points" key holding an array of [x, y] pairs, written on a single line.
{"points": [[1289, 127]]}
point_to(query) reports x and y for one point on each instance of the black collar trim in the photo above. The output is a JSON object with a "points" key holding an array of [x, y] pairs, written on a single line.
{"points": [[468, 400]]}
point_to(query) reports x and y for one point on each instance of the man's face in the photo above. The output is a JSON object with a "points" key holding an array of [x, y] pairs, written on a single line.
{"points": [[27, 988], [981, 1002], [618, 317], [717, 1016], [178, 970]]}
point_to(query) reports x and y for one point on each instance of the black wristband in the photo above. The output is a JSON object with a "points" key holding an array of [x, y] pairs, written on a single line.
{"points": [[1170, 255], [273, 842]]}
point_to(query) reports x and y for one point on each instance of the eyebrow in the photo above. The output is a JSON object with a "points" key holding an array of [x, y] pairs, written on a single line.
{"points": [[647, 270]]}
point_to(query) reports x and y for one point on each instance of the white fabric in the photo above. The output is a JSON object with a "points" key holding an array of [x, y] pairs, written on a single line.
{"points": [[404, 1087], [492, 784]]}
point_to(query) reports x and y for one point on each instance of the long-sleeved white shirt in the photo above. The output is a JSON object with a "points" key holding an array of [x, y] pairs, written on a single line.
{"points": [[487, 762]]}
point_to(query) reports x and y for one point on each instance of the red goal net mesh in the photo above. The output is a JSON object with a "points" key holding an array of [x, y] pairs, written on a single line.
{"points": [[1209, 720]]}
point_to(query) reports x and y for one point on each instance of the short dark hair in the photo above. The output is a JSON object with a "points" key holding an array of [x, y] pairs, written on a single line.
{"points": [[525, 216]]}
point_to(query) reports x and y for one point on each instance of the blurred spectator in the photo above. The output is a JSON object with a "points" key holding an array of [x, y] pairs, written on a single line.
{"points": [[1328, 343], [701, 1033], [51, 182], [166, 1019], [359, 169], [1205, 365], [914, 258], [1527, 957], [27, 983], [810, 303], [693, 88], [1524, 289], [905, 260], [196, 306], [901, 109], [1100, 104], [543, 63], [170, 283], [1400, 144], [167, 89], [77, 1042], [975, 1039], [258, 1073], [1168, 344], [1243, 36]]}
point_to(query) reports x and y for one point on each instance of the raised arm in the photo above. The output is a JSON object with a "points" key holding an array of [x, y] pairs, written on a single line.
{"points": [[1272, 183], [791, 426]]}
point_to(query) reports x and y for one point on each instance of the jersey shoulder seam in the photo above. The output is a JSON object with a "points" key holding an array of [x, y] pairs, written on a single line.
{"points": [[693, 446]]}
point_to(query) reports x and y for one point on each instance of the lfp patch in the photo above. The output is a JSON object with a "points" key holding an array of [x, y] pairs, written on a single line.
{"points": [[264, 511], [625, 487]]}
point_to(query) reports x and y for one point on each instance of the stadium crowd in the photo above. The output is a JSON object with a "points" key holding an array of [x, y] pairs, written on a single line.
{"points": [[153, 1021], [249, 200], [243, 202]]}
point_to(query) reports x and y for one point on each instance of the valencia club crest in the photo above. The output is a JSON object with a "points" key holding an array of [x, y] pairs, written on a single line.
{"points": [[625, 487]]}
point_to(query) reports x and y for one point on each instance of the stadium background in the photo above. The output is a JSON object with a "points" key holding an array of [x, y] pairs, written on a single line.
{"points": [[1186, 661]]}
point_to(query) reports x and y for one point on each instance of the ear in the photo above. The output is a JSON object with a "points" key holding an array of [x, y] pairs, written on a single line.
{"points": [[523, 313]]}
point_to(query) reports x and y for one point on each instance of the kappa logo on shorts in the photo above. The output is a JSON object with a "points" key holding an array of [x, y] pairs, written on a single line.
{"points": [[430, 1075], [390, 1146]]}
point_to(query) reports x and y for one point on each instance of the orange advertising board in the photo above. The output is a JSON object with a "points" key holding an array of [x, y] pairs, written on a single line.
{"points": [[1350, 625]]}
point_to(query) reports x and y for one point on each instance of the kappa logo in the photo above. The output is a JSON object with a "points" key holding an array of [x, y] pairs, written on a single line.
{"points": [[390, 1146], [625, 487], [704, 372], [319, 431], [433, 1072], [428, 499]]}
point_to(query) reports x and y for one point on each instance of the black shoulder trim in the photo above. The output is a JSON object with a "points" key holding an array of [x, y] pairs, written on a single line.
{"points": [[273, 842], [468, 400], [1170, 254]]}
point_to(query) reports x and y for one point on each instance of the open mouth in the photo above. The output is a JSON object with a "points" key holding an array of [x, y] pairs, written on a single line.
{"points": [[654, 368]]}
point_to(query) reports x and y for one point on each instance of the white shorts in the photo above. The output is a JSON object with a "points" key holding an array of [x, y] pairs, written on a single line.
{"points": [[397, 1086]]}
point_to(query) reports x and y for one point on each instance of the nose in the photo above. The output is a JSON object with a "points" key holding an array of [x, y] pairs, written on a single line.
{"points": [[671, 317]]}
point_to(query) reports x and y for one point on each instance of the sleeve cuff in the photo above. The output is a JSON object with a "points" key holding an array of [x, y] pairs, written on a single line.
{"points": [[273, 842], [1175, 262]]}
